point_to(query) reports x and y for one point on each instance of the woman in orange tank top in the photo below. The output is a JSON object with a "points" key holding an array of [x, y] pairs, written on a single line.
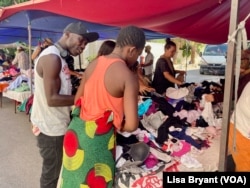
{"points": [[106, 101]]}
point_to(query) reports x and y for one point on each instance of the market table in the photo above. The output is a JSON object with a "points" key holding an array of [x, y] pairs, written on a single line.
{"points": [[17, 96], [3, 85]]}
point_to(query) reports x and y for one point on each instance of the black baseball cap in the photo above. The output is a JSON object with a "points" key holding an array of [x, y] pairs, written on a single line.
{"points": [[80, 29]]}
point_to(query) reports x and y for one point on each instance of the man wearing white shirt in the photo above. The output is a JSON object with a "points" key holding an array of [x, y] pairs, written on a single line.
{"points": [[148, 64]]}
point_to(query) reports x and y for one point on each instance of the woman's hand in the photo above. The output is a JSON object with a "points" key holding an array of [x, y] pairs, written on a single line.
{"points": [[144, 89], [182, 72]]}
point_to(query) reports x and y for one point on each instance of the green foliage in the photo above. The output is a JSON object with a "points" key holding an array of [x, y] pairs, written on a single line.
{"points": [[186, 50], [10, 52], [200, 47], [5, 3]]}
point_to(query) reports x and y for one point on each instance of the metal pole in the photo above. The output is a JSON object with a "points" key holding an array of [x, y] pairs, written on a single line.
{"points": [[29, 41], [187, 47], [229, 75], [30, 60], [80, 62]]}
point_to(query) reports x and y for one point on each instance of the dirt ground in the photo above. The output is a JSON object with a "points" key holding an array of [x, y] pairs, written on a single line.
{"points": [[20, 162]]}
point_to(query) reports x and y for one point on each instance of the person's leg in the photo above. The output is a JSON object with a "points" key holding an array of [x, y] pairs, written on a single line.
{"points": [[51, 152]]}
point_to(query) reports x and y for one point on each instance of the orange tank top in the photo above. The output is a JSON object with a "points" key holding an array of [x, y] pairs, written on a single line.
{"points": [[96, 99]]}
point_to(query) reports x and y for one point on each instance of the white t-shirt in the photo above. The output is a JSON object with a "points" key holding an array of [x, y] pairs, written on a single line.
{"points": [[242, 111], [148, 69], [52, 121]]}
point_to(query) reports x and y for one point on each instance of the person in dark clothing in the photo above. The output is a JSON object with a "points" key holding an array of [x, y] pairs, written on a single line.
{"points": [[243, 80], [2, 57], [165, 73]]}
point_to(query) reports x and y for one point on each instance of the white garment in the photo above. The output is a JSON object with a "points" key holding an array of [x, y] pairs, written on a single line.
{"points": [[148, 69], [191, 115], [242, 111], [22, 59], [51, 121], [207, 112], [190, 162], [176, 93]]}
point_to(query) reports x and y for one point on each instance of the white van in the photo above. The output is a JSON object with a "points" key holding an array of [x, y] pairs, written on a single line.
{"points": [[213, 59]]}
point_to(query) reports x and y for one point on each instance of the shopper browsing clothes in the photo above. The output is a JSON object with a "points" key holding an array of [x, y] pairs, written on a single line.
{"points": [[165, 73], [148, 64], [239, 129], [107, 100], [21, 60], [52, 102]]}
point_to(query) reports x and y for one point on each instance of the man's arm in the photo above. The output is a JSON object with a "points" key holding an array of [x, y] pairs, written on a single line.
{"points": [[49, 67], [15, 61], [148, 64], [36, 52], [172, 79]]}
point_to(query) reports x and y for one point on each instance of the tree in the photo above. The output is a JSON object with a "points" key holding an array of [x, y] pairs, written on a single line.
{"points": [[5, 3], [186, 50], [190, 48]]}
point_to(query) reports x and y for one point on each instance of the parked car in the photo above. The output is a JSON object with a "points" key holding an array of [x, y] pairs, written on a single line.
{"points": [[213, 60]]}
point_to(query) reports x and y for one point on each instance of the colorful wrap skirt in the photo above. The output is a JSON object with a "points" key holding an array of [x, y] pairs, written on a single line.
{"points": [[89, 153]]}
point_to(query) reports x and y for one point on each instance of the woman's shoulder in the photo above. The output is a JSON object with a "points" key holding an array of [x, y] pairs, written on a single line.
{"points": [[161, 60]]}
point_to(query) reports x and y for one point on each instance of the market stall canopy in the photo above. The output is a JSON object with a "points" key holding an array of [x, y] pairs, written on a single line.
{"points": [[196, 20], [46, 24], [14, 34]]}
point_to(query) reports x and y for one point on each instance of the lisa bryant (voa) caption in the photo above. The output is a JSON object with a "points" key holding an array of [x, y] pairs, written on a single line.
{"points": [[206, 179]]}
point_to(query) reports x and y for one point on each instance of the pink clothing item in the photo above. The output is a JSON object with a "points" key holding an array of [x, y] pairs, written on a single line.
{"points": [[181, 148], [13, 72], [173, 167], [151, 161], [152, 109], [193, 115], [35, 130]]}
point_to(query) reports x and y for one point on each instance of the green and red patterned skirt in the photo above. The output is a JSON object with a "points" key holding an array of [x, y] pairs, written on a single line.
{"points": [[89, 153]]}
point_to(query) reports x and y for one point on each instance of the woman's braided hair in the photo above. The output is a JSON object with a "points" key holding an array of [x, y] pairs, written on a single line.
{"points": [[131, 35]]}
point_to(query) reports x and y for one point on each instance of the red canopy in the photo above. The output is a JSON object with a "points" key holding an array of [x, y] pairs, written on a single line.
{"points": [[204, 21]]}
